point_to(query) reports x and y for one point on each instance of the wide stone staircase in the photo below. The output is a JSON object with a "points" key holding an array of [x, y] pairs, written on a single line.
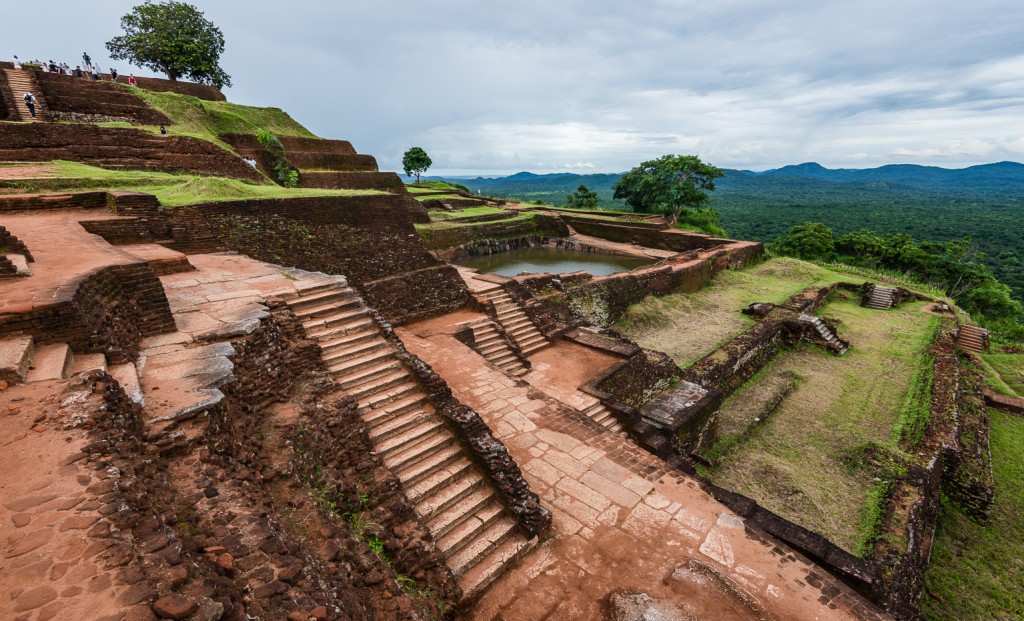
{"points": [[23, 361], [470, 526], [972, 338], [880, 298], [826, 333], [490, 344], [515, 321], [21, 81]]}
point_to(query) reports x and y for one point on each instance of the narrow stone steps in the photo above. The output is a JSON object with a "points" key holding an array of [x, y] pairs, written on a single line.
{"points": [[330, 328], [351, 365], [419, 451], [380, 389], [351, 338], [445, 525], [452, 492], [53, 361], [418, 472], [410, 438], [354, 381], [495, 533], [437, 480], [330, 308], [416, 400], [319, 297], [399, 423], [475, 579], [353, 351]]}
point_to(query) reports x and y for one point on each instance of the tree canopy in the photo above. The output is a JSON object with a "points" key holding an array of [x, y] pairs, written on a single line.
{"points": [[669, 185], [416, 162], [582, 198], [174, 38]]}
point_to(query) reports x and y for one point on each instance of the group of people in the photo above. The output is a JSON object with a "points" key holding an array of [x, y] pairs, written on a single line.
{"points": [[91, 69], [65, 69]]}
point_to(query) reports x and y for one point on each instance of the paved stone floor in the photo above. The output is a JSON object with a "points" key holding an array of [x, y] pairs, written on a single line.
{"points": [[622, 519]]}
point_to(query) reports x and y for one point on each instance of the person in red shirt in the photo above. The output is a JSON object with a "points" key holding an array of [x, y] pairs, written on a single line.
{"points": [[131, 79]]}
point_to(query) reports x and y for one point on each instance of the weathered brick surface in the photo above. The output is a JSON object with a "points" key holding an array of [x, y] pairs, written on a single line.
{"points": [[67, 95], [118, 146], [494, 236], [644, 235], [107, 311], [39, 202]]}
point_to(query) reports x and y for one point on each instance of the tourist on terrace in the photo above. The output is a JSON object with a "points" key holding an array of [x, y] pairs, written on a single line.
{"points": [[113, 74], [131, 79], [86, 60], [95, 73], [17, 63], [53, 67], [30, 101], [163, 130], [78, 72]]}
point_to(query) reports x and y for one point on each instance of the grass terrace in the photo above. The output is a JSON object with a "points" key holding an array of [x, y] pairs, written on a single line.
{"points": [[688, 326], [468, 212], [976, 571], [173, 190], [823, 457], [1006, 373]]}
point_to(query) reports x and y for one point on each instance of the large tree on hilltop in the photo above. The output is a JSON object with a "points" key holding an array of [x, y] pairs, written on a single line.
{"points": [[174, 38], [669, 185], [416, 162]]}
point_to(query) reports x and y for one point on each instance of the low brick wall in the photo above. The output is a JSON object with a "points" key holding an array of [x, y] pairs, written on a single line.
{"points": [[77, 200], [118, 147], [456, 238], [644, 235], [383, 181], [108, 311]]}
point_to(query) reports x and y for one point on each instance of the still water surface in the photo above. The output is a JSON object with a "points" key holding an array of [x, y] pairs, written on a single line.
{"points": [[556, 261]]}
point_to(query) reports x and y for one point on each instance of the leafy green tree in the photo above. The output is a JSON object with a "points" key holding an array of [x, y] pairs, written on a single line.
{"points": [[416, 162], [172, 37], [812, 240], [582, 198], [669, 185]]}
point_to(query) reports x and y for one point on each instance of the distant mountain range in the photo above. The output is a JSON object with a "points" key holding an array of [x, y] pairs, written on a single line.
{"points": [[985, 178]]}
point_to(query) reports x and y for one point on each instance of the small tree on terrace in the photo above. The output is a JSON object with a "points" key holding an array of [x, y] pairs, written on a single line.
{"points": [[582, 198], [416, 162], [669, 185], [174, 38]]}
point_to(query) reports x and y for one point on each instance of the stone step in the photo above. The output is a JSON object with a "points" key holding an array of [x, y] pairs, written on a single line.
{"points": [[496, 532], [333, 326], [350, 304], [415, 401], [444, 525], [474, 580], [438, 480], [419, 472], [127, 377], [539, 345], [319, 297], [15, 358], [399, 423], [53, 361], [420, 451], [354, 381], [530, 339], [405, 388], [89, 362], [454, 491], [409, 438], [492, 348], [20, 263], [379, 388], [353, 351], [331, 344], [351, 365]]}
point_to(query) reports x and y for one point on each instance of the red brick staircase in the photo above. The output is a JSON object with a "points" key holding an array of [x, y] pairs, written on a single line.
{"points": [[514, 319], [21, 81], [22, 360], [493, 346], [972, 338], [472, 529]]}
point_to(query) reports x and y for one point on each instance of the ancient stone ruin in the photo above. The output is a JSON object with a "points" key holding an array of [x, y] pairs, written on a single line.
{"points": [[299, 407]]}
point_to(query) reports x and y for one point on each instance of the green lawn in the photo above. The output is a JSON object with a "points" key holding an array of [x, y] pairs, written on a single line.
{"points": [[468, 212], [807, 462], [1010, 369], [173, 190], [434, 226], [977, 572], [688, 326]]}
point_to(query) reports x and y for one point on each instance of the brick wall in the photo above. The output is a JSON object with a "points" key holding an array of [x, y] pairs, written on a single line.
{"points": [[454, 236], [118, 147], [78, 200], [108, 311], [642, 234], [67, 95]]}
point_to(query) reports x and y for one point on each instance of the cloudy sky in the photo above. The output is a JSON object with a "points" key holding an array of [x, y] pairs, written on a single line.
{"points": [[598, 86]]}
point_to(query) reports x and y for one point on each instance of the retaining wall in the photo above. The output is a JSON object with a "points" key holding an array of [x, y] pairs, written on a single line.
{"points": [[69, 98]]}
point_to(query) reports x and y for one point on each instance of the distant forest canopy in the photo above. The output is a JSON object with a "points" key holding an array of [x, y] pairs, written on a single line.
{"points": [[985, 203]]}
